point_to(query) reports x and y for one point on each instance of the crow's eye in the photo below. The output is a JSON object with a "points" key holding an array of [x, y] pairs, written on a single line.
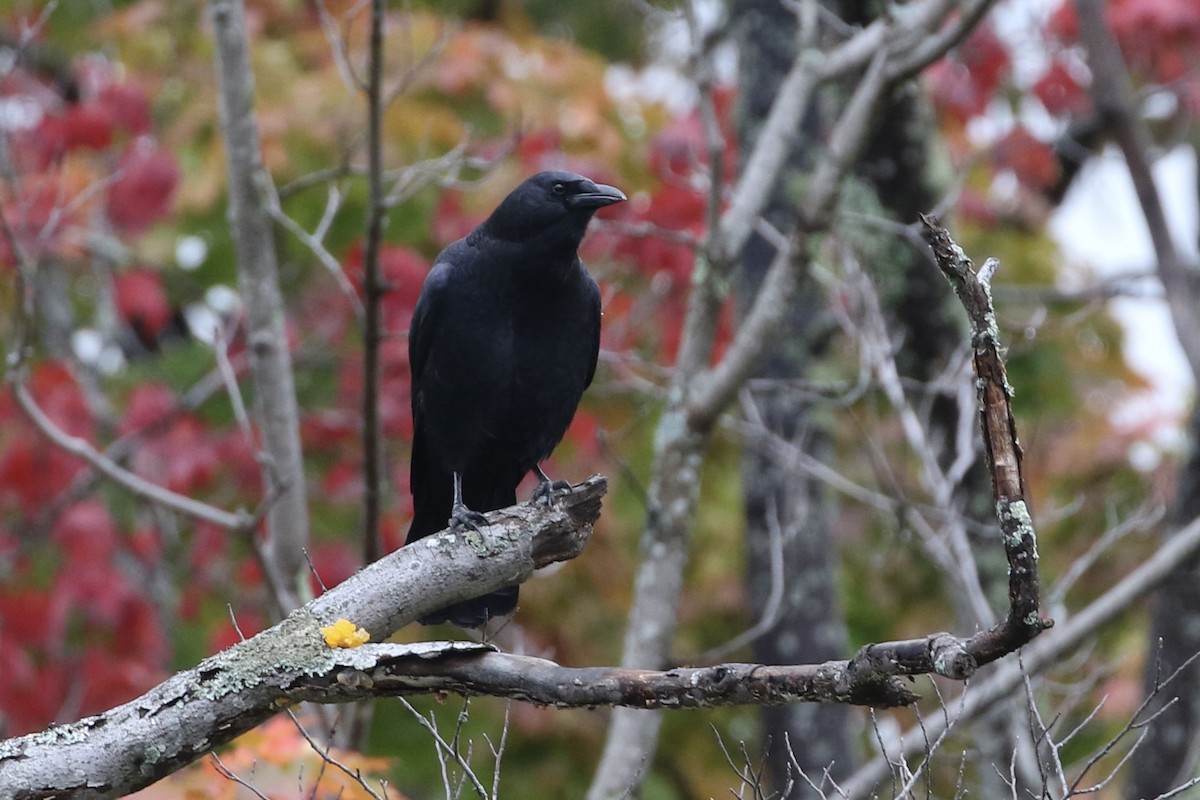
{"points": [[558, 188]]}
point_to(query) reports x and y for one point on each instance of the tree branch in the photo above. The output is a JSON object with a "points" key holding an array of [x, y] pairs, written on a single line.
{"points": [[1039, 655], [373, 290], [258, 276], [135, 744], [470, 669], [139, 486], [1001, 449]]}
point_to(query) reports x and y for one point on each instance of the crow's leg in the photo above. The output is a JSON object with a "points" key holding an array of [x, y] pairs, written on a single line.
{"points": [[462, 517], [547, 489]]}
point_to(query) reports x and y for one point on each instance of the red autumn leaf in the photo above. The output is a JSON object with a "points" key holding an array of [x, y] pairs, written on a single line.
{"points": [[32, 474], [32, 618], [673, 208], [1059, 92], [146, 544], [239, 459], [333, 562], [964, 83], [533, 147], [141, 630], [402, 271], [249, 622], [973, 205], [142, 303], [329, 428], [88, 125], [32, 691], [679, 149], [86, 533], [111, 677], [1032, 161], [1158, 36], [149, 404], [182, 457], [129, 106], [141, 193], [1063, 24], [342, 482], [209, 547], [60, 398]]}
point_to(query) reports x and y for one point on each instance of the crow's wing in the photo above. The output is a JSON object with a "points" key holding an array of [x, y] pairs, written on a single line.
{"points": [[592, 293]]}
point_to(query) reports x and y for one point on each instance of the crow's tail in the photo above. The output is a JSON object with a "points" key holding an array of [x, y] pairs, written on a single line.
{"points": [[433, 499]]}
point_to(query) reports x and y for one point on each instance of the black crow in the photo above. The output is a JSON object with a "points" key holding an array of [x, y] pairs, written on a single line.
{"points": [[503, 342]]}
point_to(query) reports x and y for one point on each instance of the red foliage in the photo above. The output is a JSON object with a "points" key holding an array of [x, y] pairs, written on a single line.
{"points": [[333, 562], [183, 456], [343, 482], [141, 193], [88, 125], [149, 404], [402, 271], [32, 474], [1032, 161], [1063, 24], [1158, 36], [128, 105], [1060, 93], [141, 301], [964, 83], [41, 216], [249, 622], [330, 428], [238, 459], [90, 635]]}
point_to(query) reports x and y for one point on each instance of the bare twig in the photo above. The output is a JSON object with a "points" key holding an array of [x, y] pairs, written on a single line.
{"points": [[115, 472], [373, 291]]}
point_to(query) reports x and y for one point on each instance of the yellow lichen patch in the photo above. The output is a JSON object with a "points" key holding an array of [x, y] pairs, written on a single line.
{"points": [[344, 633]]}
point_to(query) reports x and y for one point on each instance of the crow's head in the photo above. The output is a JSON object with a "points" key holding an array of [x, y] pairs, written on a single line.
{"points": [[552, 207]]}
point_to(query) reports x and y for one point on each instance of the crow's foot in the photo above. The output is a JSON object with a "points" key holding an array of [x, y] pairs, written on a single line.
{"points": [[547, 491], [463, 518], [467, 523]]}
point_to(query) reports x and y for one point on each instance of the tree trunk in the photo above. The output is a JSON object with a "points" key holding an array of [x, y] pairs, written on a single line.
{"points": [[788, 515], [1168, 755]]}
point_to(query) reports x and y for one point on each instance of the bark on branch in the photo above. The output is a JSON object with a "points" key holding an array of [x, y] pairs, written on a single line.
{"points": [[135, 744]]}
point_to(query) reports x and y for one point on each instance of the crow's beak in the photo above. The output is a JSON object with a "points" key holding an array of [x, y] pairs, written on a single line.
{"points": [[596, 195]]}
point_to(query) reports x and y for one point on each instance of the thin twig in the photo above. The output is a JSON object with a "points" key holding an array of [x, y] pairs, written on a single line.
{"points": [[141, 487], [373, 291]]}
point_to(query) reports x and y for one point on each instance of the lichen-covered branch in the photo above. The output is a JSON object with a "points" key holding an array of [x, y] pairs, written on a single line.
{"points": [[387, 670], [133, 745], [1001, 449]]}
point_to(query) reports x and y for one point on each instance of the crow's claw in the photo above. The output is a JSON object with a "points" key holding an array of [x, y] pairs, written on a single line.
{"points": [[463, 519], [547, 491]]}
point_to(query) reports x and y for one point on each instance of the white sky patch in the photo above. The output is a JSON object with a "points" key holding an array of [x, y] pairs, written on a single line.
{"points": [[1100, 226], [190, 252]]}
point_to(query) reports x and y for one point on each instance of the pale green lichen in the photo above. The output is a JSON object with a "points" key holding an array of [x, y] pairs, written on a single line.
{"points": [[71, 733], [294, 646], [1016, 524]]}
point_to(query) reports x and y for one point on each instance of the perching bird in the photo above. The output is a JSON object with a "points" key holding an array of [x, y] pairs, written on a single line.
{"points": [[503, 342]]}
